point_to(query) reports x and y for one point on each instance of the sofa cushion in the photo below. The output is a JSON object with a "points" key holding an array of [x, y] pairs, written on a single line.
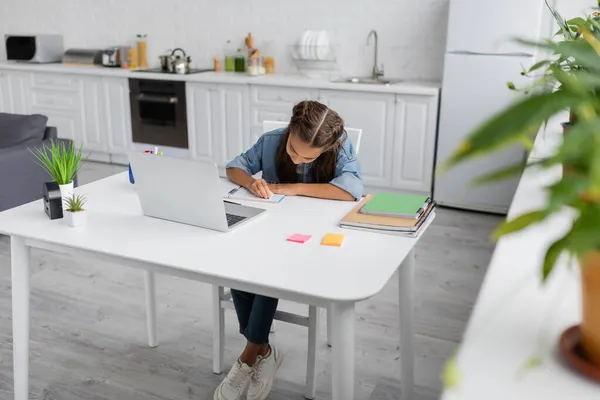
{"points": [[18, 129]]}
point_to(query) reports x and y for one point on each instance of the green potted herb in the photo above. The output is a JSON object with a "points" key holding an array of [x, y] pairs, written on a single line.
{"points": [[74, 214], [578, 190], [569, 31], [62, 162]]}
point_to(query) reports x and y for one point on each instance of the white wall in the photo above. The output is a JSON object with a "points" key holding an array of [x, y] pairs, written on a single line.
{"points": [[575, 8], [411, 32]]}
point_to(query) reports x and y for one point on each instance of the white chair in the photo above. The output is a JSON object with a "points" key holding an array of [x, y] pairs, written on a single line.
{"points": [[222, 300]]}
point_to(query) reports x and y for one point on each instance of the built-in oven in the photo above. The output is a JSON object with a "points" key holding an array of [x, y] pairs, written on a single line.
{"points": [[158, 112]]}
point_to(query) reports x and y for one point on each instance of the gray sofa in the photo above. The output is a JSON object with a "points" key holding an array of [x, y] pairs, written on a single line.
{"points": [[21, 179]]}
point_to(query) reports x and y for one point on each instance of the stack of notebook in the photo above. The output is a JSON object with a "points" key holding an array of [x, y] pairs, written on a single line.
{"points": [[395, 214]]}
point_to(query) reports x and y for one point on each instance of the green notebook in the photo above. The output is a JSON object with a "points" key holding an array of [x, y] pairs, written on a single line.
{"points": [[397, 205]]}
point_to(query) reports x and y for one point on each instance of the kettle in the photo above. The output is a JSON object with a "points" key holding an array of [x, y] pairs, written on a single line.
{"points": [[179, 64]]}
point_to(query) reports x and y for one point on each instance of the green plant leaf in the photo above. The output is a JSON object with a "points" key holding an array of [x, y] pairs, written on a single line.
{"points": [[519, 223], [538, 65], [583, 236], [566, 191], [552, 255], [581, 51], [595, 166], [501, 174], [523, 118], [75, 202], [532, 362], [451, 376], [61, 162], [578, 21], [578, 144]]}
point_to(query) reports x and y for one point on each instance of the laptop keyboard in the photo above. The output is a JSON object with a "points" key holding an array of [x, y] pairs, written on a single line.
{"points": [[233, 219]]}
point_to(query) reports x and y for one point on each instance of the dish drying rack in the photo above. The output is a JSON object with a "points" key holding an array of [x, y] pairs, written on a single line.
{"points": [[317, 62]]}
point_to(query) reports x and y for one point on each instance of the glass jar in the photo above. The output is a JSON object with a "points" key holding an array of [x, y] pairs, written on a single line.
{"points": [[240, 61], [142, 50], [255, 66], [133, 57], [229, 57], [269, 65]]}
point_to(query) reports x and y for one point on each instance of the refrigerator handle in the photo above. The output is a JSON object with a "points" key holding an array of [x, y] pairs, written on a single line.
{"points": [[474, 53]]}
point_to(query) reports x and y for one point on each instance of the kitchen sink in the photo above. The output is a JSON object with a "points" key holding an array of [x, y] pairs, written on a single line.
{"points": [[369, 81]]}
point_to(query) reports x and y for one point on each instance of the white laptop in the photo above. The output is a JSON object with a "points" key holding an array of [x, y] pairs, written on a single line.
{"points": [[186, 191]]}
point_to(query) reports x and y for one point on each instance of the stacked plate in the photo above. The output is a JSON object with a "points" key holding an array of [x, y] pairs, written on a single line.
{"points": [[314, 45]]}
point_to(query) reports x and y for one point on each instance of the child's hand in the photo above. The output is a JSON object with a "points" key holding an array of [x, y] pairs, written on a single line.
{"points": [[260, 188], [289, 189]]}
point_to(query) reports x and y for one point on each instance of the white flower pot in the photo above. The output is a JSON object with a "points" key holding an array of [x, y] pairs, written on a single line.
{"points": [[75, 219], [66, 191]]}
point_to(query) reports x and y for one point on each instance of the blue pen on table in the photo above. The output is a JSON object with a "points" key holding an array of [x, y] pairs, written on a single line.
{"points": [[233, 191]]}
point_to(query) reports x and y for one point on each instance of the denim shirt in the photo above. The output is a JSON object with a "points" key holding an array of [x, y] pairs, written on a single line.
{"points": [[262, 157]]}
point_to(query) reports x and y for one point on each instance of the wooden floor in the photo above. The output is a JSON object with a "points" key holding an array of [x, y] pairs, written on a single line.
{"points": [[88, 335]]}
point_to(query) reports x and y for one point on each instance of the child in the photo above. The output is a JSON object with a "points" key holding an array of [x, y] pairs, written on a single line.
{"points": [[311, 157]]}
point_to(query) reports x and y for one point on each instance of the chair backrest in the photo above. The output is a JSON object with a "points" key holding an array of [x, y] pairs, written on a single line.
{"points": [[354, 134]]}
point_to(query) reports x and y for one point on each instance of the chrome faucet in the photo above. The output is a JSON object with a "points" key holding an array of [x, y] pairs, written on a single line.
{"points": [[377, 71]]}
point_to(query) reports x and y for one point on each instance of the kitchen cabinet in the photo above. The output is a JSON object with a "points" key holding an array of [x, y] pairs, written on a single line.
{"points": [[106, 134], [224, 119], [94, 135], [59, 97], [274, 103], [14, 91], [415, 127], [218, 121], [69, 125], [117, 114], [374, 114]]}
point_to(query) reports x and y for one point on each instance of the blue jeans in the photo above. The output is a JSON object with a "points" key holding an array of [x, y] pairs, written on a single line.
{"points": [[255, 314]]}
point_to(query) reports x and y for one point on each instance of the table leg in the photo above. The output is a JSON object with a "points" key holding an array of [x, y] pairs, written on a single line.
{"points": [[218, 329], [406, 278], [151, 321], [20, 271], [329, 323], [342, 376]]}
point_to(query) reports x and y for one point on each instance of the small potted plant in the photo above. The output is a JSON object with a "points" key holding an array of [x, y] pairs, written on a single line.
{"points": [[62, 162], [75, 215]]}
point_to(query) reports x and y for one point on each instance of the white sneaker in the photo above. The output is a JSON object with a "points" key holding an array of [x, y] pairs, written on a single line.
{"points": [[235, 383], [264, 374]]}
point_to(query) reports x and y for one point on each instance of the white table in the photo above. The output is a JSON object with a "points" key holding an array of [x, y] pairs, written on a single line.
{"points": [[255, 258], [516, 317]]}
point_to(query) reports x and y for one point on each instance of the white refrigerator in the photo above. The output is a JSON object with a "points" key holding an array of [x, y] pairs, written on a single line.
{"points": [[481, 58]]}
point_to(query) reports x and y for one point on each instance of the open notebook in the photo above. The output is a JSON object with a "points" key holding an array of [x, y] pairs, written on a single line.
{"points": [[243, 194]]}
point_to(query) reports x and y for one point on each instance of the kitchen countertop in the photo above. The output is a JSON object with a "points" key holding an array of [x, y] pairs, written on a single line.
{"points": [[516, 319], [408, 87]]}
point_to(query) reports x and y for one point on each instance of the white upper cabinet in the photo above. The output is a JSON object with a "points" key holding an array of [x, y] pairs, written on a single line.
{"points": [[374, 114]]}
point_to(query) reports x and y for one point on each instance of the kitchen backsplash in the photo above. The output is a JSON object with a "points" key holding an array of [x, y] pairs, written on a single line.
{"points": [[411, 32]]}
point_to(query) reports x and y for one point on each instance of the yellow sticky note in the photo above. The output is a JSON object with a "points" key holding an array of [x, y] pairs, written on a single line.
{"points": [[333, 239]]}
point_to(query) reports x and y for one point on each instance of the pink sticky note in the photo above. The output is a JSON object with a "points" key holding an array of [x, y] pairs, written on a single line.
{"points": [[298, 238]]}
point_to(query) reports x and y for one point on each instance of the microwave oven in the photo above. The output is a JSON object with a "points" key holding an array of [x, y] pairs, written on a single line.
{"points": [[34, 48]]}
